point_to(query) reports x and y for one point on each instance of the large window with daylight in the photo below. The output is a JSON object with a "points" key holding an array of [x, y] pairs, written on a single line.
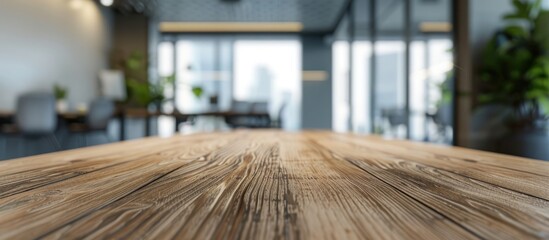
{"points": [[399, 80], [269, 71], [341, 67], [229, 69], [205, 63]]}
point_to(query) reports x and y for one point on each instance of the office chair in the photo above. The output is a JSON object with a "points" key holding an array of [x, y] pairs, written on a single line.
{"points": [[260, 121], [35, 121], [240, 107], [97, 120]]}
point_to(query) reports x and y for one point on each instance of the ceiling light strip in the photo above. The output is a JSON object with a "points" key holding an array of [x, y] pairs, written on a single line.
{"points": [[314, 75], [435, 27], [178, 27]]}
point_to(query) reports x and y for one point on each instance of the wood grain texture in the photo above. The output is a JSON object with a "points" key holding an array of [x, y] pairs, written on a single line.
{"points": [[274, 185]]}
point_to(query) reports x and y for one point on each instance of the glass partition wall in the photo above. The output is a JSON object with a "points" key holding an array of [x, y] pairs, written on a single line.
{"points": [[393, 69], [341, 69], [230, 68]]}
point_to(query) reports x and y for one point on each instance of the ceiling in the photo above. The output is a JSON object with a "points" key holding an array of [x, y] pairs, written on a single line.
{"points": [[390, 17], [315, 15]]}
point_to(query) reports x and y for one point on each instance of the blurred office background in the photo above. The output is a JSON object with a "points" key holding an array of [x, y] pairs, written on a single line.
{"points": [[76, 73]]}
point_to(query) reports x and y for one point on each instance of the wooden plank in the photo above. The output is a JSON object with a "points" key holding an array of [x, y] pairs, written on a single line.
{"points": [[522, 175], [51, 168], [39, 211], [472, 204], [83, 154], [469, 155], [262, 184], [177, 204], [273, 185], [13, 182], [327, 189]]}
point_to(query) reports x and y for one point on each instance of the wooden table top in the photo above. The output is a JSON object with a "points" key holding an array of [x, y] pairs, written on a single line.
{"points": [[271, 185]]}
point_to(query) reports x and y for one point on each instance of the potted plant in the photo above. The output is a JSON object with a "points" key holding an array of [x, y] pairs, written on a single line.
{"points": [[197, 91], [141, 92], [61, 98], [515, 74], [134, 66]]}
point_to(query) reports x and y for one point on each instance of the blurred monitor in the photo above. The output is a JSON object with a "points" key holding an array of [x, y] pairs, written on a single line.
{"points": [[112, 85]]}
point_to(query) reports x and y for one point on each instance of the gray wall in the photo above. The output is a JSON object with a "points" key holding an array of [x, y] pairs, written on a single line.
{"points": [[316, 110], [47, 42], [485, 19]]}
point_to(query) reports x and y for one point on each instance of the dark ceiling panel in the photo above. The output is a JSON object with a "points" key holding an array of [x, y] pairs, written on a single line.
{"points": [[316, 15], [136, 6]]}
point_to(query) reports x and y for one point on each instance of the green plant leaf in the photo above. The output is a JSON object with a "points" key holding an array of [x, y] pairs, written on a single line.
{"points": [[521, 11], [139, 92], [135, 61], [485, 98], [516, 31], [60, 92], [512, 16], [541, 30], [544, 103], [170, 79], [197, 91], [535, 8]]}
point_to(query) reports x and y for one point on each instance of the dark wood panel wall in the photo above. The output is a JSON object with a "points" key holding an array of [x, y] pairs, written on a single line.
{"points": [[131, 34]]}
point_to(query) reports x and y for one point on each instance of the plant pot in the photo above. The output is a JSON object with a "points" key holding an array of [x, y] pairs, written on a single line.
{"points": [[214, 100], [533, 143], [155, 107], [488, 127], [62, 105]]}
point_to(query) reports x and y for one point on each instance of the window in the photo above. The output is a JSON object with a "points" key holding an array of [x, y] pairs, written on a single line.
{"points": [[269, 71], [242, 68]]}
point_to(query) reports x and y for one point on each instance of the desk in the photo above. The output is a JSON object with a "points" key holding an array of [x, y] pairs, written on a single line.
{"points": [[64, 115], [179, 117], [7, 118], [270, 185], [122, 114]]}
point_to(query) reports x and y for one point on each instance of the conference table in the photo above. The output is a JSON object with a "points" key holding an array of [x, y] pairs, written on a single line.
{"points": [[270, 184]]}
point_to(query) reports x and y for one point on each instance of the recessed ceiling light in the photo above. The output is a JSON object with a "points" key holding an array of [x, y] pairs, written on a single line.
{"points": [[76, 4], [107, 3]]}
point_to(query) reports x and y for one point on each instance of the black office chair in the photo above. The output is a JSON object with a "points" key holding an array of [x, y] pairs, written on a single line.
{"points": [[396, 117], [260, 120], [251, 115], [277, 123], [239, 107]]}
